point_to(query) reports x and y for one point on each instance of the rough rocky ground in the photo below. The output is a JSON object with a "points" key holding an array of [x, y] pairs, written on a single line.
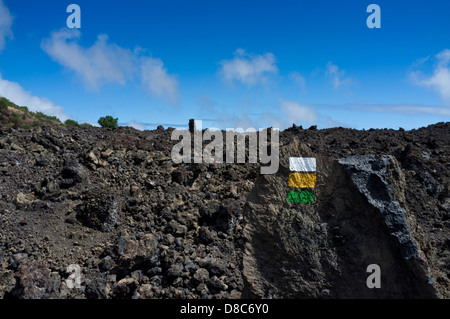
{"points": [[140, 226]]}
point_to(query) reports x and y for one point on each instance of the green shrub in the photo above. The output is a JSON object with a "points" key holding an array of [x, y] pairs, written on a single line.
{"points": [[71, 123], [4, 103], [43, 116], [85, 125], [23, 109], [14, 119], [108, 122], [25, 126], [37, 123]]}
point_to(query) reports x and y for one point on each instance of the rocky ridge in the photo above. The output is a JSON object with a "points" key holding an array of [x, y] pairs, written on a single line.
{"points": [[140, 226]]}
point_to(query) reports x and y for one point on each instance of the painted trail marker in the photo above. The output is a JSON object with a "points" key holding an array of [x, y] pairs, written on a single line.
{"points": [[300, 197], [302, 164], [303, 178]]}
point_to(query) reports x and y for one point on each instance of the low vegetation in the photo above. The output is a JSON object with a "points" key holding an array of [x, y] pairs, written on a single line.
{"points": [[14, 116], [108, 122], [71, 123]]}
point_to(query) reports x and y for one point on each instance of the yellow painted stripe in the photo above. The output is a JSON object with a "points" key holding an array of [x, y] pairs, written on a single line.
{"points": [[302, 180]]}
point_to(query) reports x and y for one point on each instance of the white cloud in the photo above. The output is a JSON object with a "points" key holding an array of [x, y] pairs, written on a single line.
{"points": [[407, 109], [336, 76], [101, 63], [137, 126], [90, 123], [16, 94], [6, 20], [298, 113], [106, 62], [282, 116], [299, 79], [440, 80], [248, 68], [158, 81]]}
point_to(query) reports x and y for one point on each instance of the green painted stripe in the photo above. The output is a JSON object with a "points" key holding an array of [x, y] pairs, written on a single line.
{"points": [[300, 197]]}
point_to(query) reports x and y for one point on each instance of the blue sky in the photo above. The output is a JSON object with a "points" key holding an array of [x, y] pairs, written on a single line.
{"points": [[230, 63]]}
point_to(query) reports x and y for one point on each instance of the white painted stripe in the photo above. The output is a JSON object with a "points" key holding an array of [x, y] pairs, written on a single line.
{"points": [[302, 164]]}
